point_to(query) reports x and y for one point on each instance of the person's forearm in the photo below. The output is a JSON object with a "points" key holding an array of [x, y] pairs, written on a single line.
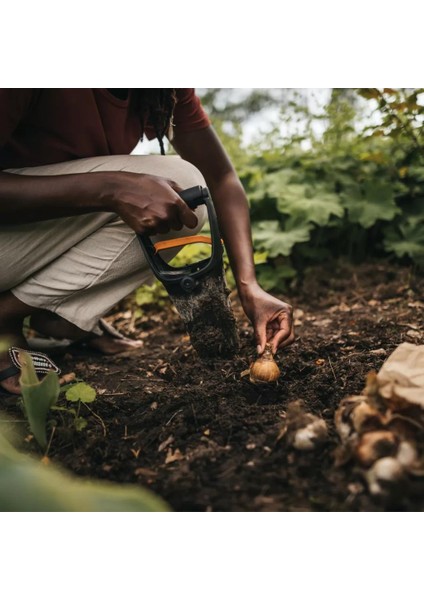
{"points": [[204, 149], [26, 199], [234, 222]]}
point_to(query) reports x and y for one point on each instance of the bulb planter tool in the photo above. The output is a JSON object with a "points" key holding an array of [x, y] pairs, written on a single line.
{"points": [[186, 279], [198, 290]]}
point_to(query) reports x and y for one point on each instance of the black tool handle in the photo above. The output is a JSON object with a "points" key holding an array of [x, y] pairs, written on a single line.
{"points": [[194, 196], [187, 278]]}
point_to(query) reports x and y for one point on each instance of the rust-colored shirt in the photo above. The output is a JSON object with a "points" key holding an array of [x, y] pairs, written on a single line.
{"points": [[46, 126]]}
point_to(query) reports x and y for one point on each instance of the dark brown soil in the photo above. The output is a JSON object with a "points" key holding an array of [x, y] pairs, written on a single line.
{"points": [[205, 439], [208, 317]]}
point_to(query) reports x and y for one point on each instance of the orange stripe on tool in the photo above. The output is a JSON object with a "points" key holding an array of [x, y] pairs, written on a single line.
{"points": [[183, 241]]}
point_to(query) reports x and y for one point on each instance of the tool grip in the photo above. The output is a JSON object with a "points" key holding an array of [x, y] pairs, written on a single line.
{"points": [[186, 279], [194, 196]]}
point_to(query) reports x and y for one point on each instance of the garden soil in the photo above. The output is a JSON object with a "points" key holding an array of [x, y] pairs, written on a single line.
{"points": [[206, 439]]}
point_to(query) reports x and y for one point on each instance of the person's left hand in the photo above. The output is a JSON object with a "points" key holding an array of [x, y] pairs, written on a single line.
{"points": [[272, 319]]}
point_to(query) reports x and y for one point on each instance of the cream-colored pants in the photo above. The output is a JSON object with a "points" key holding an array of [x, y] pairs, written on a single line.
{"points": [[80, 267]]}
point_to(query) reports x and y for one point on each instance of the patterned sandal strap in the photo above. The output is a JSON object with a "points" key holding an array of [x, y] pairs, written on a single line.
{"points": [[42, 363]]}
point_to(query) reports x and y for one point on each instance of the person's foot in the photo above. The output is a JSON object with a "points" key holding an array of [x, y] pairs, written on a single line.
{"points": [[11, 384], [109, 342], [109, 345]]}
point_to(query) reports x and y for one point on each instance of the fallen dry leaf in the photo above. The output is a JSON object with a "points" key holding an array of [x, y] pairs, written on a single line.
{"points": [[145, 472], [164, 445], [67, 378], [173, 456]]}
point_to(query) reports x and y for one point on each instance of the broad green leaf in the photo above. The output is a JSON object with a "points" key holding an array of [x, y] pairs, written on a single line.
{"points": [[272, 277], [26, 485], [407, 239], [372, 202], [271, 184], [416, 172], [81, 392], [38, 397], [268, 236], [309, 204]]}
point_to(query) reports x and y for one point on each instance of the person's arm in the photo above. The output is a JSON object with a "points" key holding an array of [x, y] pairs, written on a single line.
{"points": [[271, 318], [148, 204]]}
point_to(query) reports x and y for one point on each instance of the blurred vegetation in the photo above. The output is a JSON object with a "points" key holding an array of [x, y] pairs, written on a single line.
{"points": [[28, 485], [354, 189], [340, 178], [33, 484]]}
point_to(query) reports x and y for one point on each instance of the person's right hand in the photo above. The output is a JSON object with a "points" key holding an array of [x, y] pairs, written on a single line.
{"points": [[148, 204]]}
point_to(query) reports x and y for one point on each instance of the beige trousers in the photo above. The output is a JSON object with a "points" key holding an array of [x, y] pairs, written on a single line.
{"points": [[80, 267]]}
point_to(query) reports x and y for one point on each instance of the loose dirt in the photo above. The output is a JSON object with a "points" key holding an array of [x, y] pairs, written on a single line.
{"points": [[205, 439]]}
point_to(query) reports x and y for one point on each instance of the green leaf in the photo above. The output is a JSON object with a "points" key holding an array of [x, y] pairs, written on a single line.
{"points": [[260, 258], [310, 204], [272, 277], [407, 239], [38, 397], [268, 236], [81, 392], [26, 485], [80, 423], [151, 294], [372, 202], [304, 202]]}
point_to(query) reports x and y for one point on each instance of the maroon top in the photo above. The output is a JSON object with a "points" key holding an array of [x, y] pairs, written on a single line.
{"points": [[45, 126]]}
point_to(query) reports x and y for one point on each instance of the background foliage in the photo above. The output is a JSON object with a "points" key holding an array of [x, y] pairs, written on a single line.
{"points": [[349, 181], [343, 178]]}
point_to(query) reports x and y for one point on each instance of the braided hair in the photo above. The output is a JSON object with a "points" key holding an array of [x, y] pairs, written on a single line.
{"points": [[156, 107]]}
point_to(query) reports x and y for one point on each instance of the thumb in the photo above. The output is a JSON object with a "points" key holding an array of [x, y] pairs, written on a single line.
{"points": [[260, 334]]}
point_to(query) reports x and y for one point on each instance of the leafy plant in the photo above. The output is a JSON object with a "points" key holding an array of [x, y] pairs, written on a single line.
{"points": [[28, 485], [79, 394], [355, 190], [372, 201], [38, 397], [150, 295], [407, 239]]}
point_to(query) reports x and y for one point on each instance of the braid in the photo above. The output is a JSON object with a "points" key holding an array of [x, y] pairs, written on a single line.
{"points": [[156, 107]]}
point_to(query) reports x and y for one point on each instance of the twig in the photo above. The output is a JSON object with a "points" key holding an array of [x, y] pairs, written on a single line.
{"points": [[331, 365], [50, 441], [97, 417], [194, 414], [173, 416]]}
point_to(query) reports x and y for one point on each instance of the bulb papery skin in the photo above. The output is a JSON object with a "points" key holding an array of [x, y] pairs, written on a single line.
{"points": [[265, 369]]}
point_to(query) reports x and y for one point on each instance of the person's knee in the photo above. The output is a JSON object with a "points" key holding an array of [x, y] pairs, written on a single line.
{"points": [[187, 175], [176, 169]]}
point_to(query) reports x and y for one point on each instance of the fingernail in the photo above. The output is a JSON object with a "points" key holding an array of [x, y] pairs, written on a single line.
{"points": [[258, 349]]}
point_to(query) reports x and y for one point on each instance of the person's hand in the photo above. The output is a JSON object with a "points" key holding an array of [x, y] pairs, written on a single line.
{"points": [[272, 319], [148, 204]]}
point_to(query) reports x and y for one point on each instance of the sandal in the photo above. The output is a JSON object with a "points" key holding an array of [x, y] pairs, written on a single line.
{"points": [[42, 363], [56, 347]]}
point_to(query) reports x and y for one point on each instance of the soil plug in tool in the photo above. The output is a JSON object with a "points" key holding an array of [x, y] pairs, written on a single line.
{"points": [[198, 290]]}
